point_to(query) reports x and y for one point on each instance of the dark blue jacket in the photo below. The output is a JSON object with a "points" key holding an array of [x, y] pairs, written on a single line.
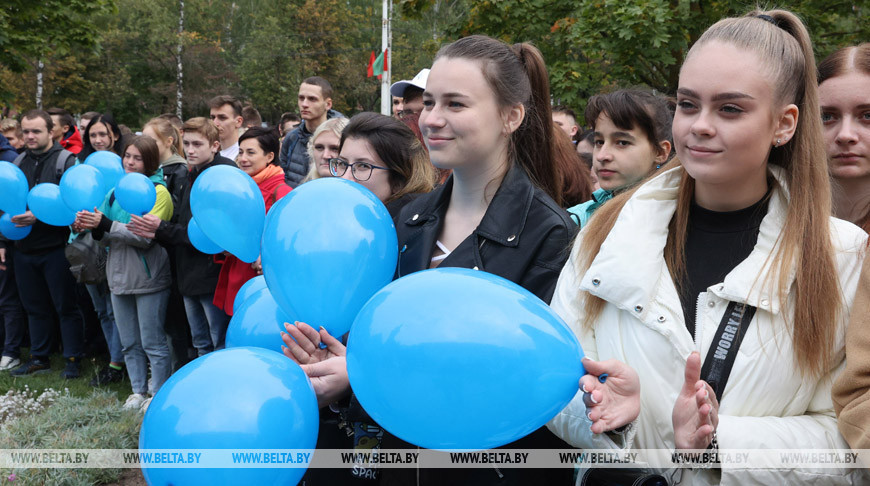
{"points": [[7, 151]]}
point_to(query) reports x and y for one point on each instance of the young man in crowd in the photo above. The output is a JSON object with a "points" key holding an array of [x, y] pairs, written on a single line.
{"points": [[65, 131], [85, 120], [411, 93], [197, 272], [567, 121], [45, 285], [315, 105], [251, 117], [11, 129], [226, 112]]}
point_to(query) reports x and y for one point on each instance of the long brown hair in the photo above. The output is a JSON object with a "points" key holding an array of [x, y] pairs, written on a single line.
{"points": [[838, 63], [805, 245], [147, 147], [517, 75]]}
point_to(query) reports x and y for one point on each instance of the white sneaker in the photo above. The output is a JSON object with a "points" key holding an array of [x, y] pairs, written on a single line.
{"points": [[134, 401], [144, 407], [8, 362]]}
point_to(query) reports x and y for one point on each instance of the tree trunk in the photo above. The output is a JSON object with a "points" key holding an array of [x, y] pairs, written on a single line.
{"points": [[39, 68], [179, 77]]}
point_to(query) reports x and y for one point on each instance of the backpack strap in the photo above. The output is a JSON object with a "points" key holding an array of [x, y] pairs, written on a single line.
{"points": [[62, 160], [18, 159], [723, 349]]}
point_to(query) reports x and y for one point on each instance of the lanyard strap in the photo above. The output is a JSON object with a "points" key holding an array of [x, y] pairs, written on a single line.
{"points": [[723, 349]]}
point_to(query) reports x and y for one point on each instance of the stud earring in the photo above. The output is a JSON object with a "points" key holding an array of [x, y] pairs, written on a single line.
{"points": [[778, 142]]}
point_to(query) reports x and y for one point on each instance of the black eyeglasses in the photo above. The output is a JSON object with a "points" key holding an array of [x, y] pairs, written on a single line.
{"points": [[361, 171]]}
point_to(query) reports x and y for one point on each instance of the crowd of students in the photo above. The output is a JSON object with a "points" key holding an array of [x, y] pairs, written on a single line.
{"points": [[712, 218]]}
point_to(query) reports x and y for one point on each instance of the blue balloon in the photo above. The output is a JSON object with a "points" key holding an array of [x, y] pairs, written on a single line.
{"points": [[13, 197], [454, 358], [258, 322], [109, 164], [240, 398], [136, 194], [10, 231], [328, 246], [47, 205], [229, 208], [248, 289], [199, 240], [82, 188]]}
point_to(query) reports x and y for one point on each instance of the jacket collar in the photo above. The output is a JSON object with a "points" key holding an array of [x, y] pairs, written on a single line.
{"points": [[506, 215], [630, 275]]}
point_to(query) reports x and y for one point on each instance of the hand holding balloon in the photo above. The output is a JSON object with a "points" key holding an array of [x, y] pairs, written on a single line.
{"points": [[326, 368], [144, 226], [88, 220], [616, 401], [304, 346], [24, 219]]}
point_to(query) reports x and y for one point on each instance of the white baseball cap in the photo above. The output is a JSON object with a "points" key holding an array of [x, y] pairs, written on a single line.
{"points": [[398, 88]]}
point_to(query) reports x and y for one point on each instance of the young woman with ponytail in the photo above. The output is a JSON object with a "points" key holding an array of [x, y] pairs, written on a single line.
{"points": [[732, 241], [487, 117]]}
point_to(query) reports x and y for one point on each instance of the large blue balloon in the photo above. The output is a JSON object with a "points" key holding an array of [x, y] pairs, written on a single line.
{"points": [[199, 240], [328, 246], [110, 166], [229, 208], [240, 398], [10, 231], [13, 196], [47, 205], [258, 322], [136, 194], [82, 188], [459, 359], [248, 289]]}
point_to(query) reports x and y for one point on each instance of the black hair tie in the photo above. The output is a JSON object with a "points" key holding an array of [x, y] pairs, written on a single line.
{"points": [[770, 19]]}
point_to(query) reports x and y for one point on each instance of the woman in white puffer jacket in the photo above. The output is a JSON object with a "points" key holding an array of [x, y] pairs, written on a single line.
{"points": [[742, 217]]}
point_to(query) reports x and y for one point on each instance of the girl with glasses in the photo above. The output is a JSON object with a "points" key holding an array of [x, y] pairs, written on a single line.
{"points": [[385, 156]]}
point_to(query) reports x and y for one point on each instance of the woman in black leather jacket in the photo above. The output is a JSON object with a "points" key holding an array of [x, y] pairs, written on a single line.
{"points": [[487, 117]]}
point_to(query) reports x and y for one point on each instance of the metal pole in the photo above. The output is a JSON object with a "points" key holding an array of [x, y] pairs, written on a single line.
{"points": [[386, 45]]}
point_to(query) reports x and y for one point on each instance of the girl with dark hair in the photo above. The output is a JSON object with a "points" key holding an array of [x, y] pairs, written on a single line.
{"points": [[632, 138], [844, 94], [138, 274], [102, 133], [385, 156], [722, 284], [487, 117], [258, 157]]}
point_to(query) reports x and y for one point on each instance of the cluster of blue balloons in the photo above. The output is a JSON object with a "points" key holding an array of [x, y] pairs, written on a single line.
{"points": [[82, 188], [445, 359]]}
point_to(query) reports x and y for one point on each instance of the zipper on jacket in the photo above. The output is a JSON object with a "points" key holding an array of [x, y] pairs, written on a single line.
{"points": [[698, 319]]}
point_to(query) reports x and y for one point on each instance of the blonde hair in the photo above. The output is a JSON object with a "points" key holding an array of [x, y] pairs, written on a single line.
{"points": [[334, 125], [204, 127], [164, 131], [805, 247]]}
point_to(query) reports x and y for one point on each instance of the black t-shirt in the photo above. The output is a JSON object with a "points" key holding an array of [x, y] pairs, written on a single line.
{"points": [[716, 242]]}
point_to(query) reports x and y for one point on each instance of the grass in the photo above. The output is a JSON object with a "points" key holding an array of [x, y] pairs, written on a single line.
{"points": [[72, 422], [83, 417], [78, 387]]}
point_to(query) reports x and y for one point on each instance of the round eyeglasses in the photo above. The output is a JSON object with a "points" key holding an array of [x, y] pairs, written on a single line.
{"points": [[361, 171]]}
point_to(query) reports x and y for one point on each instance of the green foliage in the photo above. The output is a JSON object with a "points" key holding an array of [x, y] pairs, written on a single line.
{"points": [[120, 55]]}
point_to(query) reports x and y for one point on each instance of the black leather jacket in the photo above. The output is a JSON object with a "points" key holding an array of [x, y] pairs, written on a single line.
{"points": [[524, 235]]}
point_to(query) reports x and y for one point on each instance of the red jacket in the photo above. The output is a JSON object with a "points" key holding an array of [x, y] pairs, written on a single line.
{"points": [[73, 143], [235, 272]]}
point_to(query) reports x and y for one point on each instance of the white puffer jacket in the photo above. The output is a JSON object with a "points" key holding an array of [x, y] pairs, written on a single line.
{"points": [[766, 404]]}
